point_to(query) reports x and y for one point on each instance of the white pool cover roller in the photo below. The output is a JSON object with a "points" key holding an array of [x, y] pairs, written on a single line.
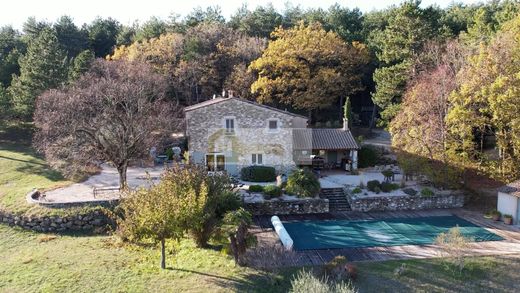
{"points": [[282, 233]]}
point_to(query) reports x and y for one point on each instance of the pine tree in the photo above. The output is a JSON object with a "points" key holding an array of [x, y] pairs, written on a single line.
{"points": [[43, 67], [80, 64]]}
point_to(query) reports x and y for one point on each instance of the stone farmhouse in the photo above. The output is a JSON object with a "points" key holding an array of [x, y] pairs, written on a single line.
{"points": [[229, 133]]}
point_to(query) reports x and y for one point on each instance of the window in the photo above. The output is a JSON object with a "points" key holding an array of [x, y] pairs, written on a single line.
{"points": [[272, 125], [215, 162], [230, 125], [256, 159]]}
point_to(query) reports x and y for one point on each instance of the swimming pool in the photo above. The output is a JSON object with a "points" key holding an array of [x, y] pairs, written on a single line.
{"points": [[332, 234]]}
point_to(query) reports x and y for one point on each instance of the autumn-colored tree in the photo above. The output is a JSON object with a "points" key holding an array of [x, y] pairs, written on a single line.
{"points": [[488, 104], [113, 113], [308, 68], [419, 132], [419, 128], [200, 62]]}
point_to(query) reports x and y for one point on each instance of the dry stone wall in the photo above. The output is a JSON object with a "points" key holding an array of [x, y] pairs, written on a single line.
{"points": [[405, 202], [279, 207], [88, 221]]}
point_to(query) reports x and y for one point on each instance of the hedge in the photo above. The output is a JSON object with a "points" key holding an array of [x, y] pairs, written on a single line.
{"points": [[258, 174]]}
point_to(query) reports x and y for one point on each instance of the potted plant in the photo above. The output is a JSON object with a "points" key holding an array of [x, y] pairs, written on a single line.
{"points": [[508, 219], [495, 215]]}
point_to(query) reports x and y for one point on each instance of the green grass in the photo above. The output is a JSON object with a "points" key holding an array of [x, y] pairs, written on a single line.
{"points": [[34, 262], [21, 169], [481, 274]]}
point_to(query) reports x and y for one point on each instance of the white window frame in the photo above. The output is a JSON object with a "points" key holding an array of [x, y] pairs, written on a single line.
{"points": [[278, 125], [255, 160], [224, 125]]}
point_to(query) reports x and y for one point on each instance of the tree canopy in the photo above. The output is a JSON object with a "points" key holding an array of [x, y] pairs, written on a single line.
{"points": [[115, 113], [308, 68]]}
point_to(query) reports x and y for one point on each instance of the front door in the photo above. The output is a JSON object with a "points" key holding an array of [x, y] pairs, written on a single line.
{"points": [[215, 162]]}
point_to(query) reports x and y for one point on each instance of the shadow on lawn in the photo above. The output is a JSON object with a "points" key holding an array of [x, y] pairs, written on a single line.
{"points": [[34, 165], [259, 282]]}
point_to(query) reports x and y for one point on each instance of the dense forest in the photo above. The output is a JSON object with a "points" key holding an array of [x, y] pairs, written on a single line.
{"points": [[444, 81]]}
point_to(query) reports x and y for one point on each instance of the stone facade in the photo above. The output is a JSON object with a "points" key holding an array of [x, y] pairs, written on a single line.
{"points": [[405, 202], [279, 207], [206, 133], [88, 221]]}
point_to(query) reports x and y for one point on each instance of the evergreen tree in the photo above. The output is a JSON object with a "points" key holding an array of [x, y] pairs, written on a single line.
{"points": [[43, 67], [102, 35], [11, 48], [5, 104], [153, 28], [347, 112], [72, 39], [80, 64], [408, 29]]}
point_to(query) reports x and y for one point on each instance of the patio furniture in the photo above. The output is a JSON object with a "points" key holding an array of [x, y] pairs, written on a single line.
{"points": [[161, 159]]}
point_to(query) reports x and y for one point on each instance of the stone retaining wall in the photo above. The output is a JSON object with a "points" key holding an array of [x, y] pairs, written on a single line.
{"points": [[88, 221], [278, 207], [405, 202]]}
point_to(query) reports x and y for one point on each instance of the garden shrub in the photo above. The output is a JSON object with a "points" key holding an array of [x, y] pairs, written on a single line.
{"points": [[356, 190], [339, 270], [377, 190], [427, 192], [258, 174], [410, 191], [256, 188], [368, 156], [372, 184], [305, 282], [387, 187], [273, 191], [303, 183]]}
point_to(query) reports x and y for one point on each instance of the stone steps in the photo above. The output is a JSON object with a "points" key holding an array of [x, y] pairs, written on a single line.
{"points": [[337, 199]]}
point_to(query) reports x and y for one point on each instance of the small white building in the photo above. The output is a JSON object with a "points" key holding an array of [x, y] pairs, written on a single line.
{"points": [[509, 200]]}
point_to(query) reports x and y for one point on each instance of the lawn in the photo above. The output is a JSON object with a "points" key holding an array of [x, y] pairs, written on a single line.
{"points": [[81, 263], [482, 274], [21, 169]]}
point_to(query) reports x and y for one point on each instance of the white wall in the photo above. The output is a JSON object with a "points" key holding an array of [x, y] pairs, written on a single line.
{"points": [[508, 204]]}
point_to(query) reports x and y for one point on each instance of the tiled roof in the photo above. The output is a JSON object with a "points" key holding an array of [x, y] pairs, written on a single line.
{"points": [[323, 139], [512, 188], [220, 99]]}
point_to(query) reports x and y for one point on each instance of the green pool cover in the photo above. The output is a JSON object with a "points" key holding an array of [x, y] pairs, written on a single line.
{"points": [[388, 232]]}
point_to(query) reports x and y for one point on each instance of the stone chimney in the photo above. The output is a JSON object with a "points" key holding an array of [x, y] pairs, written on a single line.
{"points": [[345, 124]]}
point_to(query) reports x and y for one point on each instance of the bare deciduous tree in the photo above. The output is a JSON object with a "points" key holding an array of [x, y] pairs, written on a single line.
{"points": [[114, 113]]}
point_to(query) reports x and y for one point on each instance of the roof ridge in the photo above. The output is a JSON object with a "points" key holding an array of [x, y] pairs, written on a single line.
{"points": [[222, 99]]}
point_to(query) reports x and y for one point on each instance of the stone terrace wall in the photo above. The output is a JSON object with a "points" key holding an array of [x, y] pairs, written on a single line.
{"points": [[406, 202], [278, 207], [88, 221]]}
